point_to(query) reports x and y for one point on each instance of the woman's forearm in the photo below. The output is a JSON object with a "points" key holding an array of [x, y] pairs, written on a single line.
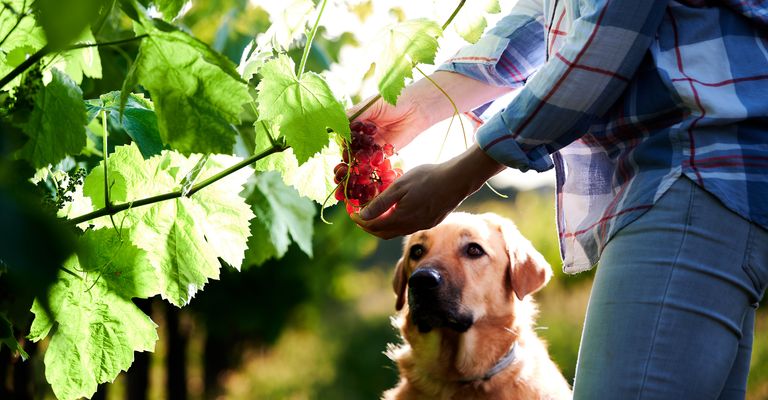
{"points": [[466, 93]]}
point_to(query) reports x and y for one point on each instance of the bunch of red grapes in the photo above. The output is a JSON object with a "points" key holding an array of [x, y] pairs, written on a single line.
{"points": [[366, 169]]}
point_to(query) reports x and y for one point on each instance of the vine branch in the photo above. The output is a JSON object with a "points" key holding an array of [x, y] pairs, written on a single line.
{"points": [[38, 55], [23, 14], [116, 208]]}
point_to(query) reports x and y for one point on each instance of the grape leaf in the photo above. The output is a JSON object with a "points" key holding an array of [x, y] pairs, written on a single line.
{"points": [[7, 338], [197, 92], [177, 248], [98, 328], [184, 237], [222, 213], [399, 48], [470, 23], [303, 107], [122, 265], [260, 246], [288, 21], [21, 42], [313, 179], [281, 210], [56, 126], [79, 62], [170, 8], [138, 119], [64, 21]]}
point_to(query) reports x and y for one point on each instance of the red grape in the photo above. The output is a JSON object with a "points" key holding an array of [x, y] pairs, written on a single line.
{"points": [[365, 170]]}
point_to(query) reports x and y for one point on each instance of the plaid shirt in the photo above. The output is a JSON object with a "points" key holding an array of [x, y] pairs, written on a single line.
{"points": [[623, 97]]}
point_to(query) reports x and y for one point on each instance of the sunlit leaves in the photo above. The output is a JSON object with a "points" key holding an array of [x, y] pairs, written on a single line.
{"points": [[288, 22], [22, 36], [97, 325], [197, 92], [400, 47], [56, 126], [78, 62], [281, 215], [471, 22], [303, 107], [183, 237], [64, 21], [170, 8], [138, 119]]}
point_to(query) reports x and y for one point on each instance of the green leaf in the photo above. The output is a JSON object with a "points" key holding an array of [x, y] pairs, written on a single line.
{"points": [[56, 126], [196, 91], [222, 213], [79, 62], [169, 8], [178, 249], [284, 213], [288, 21], [184, 237], [138, 119], [470, 23], [260, 246], [64, 21], [7, 338], [303, 107], [21, 42], [122, 266], [399, 48], [313, 179], [97, 331]]}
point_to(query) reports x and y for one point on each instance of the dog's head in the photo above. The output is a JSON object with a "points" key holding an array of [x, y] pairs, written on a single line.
{"points": [[467, 268]]}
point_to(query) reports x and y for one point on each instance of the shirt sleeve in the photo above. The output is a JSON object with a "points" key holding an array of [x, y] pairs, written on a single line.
{"points": [[579, 82], [507, 54]]}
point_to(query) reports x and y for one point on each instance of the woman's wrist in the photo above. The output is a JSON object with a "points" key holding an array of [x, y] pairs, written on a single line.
{"points": [[472, 169]]}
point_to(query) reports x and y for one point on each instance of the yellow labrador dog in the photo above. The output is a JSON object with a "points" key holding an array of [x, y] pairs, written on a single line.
{"points": [[466, 315]]}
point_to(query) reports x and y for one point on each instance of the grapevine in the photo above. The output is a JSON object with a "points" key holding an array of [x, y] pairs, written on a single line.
{"points": [[188, 205]]}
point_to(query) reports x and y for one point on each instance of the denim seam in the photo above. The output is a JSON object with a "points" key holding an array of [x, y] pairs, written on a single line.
{"points": [[666, 288], [746, 265]]}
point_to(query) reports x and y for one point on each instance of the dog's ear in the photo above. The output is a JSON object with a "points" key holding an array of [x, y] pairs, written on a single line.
{"points": [[530, 271], [399, 282]]}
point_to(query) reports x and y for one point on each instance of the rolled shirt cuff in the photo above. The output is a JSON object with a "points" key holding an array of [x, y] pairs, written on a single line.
{"points": [[495, 138]]}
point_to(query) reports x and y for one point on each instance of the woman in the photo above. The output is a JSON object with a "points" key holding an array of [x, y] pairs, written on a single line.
{"points": [[655, 117]]}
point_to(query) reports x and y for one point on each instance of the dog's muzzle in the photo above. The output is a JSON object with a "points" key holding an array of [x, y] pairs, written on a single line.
{"points": [[434, 302]]}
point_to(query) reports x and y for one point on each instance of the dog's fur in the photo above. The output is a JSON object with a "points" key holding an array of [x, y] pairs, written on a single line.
{"points": [[481, 309]]}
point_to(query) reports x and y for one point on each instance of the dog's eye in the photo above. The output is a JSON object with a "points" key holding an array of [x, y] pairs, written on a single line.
{"points": [[474, 250], [416, 252]]}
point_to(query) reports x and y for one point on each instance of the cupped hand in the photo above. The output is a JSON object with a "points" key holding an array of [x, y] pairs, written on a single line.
{"points": [[424, 196]]}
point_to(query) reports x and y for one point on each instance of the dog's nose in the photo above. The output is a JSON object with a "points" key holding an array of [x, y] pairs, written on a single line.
{"points": [[424, 279]]}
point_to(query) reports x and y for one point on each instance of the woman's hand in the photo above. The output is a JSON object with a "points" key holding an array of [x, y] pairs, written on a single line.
{"points": [[422, 105], [424, 196]]}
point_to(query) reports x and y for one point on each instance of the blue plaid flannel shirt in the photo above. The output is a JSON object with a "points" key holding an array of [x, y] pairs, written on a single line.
{"points": [[623, 97]]}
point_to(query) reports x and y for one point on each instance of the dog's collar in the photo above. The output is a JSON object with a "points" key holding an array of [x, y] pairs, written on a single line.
{"points": [[503, 363]]}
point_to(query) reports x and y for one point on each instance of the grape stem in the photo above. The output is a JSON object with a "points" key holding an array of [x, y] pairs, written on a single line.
{"points": [[456, 114], [378, 96], [310, 38], [116, 208]]}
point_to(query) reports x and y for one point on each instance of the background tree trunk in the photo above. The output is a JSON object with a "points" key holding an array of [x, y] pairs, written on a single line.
{"points": [[177, 357]]}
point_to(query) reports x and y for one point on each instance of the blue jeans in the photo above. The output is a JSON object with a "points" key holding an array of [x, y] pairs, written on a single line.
{"points": [[672, 309]]}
